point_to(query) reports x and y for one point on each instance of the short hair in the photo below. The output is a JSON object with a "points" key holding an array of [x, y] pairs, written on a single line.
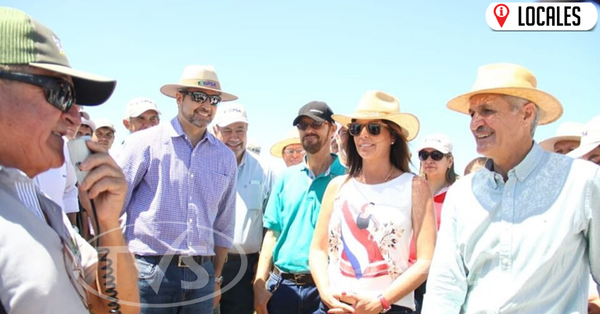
{"points": [[517, 102], [399, 153]]}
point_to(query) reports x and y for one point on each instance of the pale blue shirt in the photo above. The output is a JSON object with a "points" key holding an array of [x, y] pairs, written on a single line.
{"points": [[521, 246], [254, 182], [180, 199]]}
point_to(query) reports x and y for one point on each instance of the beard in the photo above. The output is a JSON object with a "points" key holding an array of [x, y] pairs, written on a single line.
{"points": [[196, 119], [312, 145]]}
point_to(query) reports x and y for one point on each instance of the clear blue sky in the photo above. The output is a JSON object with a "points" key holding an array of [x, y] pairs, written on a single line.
{"points": [[278, 55]]}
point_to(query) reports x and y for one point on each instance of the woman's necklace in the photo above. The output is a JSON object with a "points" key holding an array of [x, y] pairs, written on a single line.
{"points": [[362, 176], [389, 174]]}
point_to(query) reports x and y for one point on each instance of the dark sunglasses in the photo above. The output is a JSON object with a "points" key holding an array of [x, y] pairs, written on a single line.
{"points": [[374, 128], [59, 92], [202, 97], [315, 125], [435, 155]]}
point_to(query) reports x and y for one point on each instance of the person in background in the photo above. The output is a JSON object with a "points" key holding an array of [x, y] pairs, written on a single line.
{"points": [[522, 234], [283, 281], [437, 167], [590, 142], [104, 134], [360, 249], [567, 138], [141, 113], [253, 146], [46, 267], [290, 149], [181, 199], [341, 137], [254, 182], [474, 165], [86, 128]]}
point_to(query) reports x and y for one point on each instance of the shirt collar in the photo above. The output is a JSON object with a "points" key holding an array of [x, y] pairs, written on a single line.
{"points": [[14, 174], [526, 166], [310, 173]]}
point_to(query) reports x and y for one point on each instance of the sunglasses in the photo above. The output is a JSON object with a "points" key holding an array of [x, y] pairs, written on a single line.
{"points": [[315, 125], [374, 128], [435, 155], [59, 92], [202, 97]]}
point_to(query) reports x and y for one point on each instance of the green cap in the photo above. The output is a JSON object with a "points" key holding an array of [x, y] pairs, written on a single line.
{"points": [[24, 41]]}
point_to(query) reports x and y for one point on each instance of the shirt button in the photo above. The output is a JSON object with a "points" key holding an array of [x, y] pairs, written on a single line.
{"points": [[190, 220], [192, 175]]}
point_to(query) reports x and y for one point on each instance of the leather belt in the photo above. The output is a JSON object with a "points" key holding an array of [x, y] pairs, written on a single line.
{"points": [[300, 279], [180, 260], [238, 257]]}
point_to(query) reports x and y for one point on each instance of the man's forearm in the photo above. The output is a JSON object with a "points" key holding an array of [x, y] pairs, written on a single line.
{"points": [[220, 256]]}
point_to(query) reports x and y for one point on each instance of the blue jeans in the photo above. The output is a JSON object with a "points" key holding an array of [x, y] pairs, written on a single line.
{"points": [[166, 288], [239, 298], [289, 298]]}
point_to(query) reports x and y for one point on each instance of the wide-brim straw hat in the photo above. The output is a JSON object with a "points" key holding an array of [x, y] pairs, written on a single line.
{"points": [[513, 80], [198, 76], [567, 131], [378, 105], [292, 137]]}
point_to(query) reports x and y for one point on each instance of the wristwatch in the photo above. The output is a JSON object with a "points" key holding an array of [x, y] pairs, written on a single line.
{"points": [[384, 304], [219, 280]]}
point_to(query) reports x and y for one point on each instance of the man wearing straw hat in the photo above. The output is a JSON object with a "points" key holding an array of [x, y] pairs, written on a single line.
{"points": [[567, 138], [522, 234], [180, 203], [45, 266], [289, 148]]}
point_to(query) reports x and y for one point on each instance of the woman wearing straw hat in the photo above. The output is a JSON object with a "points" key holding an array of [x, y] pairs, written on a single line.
{"points": [[368, 217]]}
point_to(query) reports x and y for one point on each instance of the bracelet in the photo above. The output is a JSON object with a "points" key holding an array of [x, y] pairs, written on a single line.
{"points": [[384, 303]]}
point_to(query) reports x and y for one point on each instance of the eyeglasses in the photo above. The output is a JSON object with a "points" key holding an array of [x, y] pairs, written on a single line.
{"points": [[315, 125], [202, 97], [59, 92], [374, 128], [435, 155], [291, 151]]}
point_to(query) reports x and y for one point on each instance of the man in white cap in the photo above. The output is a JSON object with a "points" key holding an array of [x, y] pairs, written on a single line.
{"points": [[104, 134], [590, 142], [180, 203], [522, 234], [567, 138], [141, 113], [86, 128], [46, 266], [254, 181]]}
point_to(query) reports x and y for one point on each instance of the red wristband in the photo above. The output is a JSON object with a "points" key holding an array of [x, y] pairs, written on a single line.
{"points": [[384, 303]]}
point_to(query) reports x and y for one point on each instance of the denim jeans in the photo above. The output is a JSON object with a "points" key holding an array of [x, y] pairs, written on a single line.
{"points": [[289, 298], [239, 297], [166, 288]]}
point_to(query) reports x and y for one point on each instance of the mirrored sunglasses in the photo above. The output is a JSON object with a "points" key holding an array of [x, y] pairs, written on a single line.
{"points": [[373, 128], [202, 97], [59, 92], [435, 155]]}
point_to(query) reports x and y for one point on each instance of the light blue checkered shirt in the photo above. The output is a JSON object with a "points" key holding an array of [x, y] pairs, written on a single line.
{"points": [[521, 246], [181, 199]]}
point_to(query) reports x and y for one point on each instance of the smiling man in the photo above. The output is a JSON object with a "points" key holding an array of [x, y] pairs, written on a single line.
{"points": [[521, 235], [181, 199], [254, 181]]}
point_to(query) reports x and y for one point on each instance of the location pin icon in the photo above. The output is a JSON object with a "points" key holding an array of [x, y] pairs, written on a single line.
{"points": [[499, 13]]}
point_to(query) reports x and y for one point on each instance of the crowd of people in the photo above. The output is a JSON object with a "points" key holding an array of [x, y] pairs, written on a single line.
{"points": [[185, 216]]}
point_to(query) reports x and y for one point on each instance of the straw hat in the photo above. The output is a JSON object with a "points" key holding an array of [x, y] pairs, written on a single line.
{"points": [[377, 105], [292, 137], [513, 80], [197, 76], [567, 131]]}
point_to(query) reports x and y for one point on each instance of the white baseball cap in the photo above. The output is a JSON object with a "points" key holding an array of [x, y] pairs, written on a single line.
{"points": [[229, 113], [567, 131], [103, 123], [590, 138], [137, 106], [437, 141], [89, 123]]}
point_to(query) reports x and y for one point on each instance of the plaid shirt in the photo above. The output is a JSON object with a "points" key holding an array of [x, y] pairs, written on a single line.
{"points": [[181, 199]]}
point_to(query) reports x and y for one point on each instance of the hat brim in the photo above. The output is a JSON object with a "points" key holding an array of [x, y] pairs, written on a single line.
{"points": [[172, 89], [550, 108], [548, 144], [583, 149], [277, 148], [90, 89], [407, 122]]}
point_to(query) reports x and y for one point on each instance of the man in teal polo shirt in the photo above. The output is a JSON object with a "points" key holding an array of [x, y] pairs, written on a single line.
{"points": [[283, 282]]}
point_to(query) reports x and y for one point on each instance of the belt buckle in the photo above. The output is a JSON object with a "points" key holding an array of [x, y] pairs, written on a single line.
{"points": [[298, 278], [180, 262]]}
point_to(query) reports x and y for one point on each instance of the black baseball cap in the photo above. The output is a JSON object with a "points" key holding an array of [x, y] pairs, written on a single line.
{"points": [[316, 110]]}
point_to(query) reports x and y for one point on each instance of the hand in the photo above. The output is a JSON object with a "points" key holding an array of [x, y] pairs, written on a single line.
{"points": [[217, 298], [105, 184], [332, 301], [594, 306], [261, 297], [363, 304]]}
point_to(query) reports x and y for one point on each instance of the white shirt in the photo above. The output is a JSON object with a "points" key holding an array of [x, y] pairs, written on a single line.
{"points": [[59, 185], [521, 246]]}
